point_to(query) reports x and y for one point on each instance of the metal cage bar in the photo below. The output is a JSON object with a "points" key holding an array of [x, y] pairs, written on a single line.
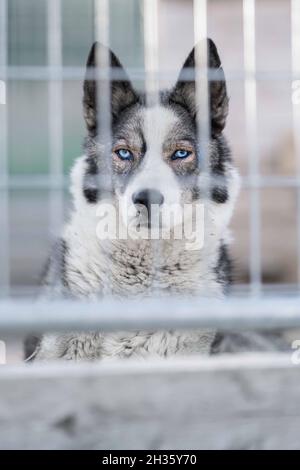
{"points": [[252, 144], [103, 94], [55, 72], [201, 80], [151, 51], [295, 41], [32, 181], [4, 171], [67, 72], [202, 100], [55, 116], [103, 78], [151, 61], [232, 314]]}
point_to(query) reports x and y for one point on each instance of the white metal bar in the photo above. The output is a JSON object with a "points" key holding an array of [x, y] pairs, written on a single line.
{"points": [[295, 40], [42, 182], [103, 77], [152, 84], [103, 93], [203, 118], [252, 142], [55, 116], [4, 177], [240, 290], [151, 51], [22, 316], [42, 73], [202, 91], [201, 79], [189, 364]]}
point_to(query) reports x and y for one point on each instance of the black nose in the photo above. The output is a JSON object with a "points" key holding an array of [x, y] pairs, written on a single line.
{"points": [[147, 197]]}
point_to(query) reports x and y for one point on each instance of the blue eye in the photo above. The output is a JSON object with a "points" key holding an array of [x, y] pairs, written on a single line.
{"points": [[125, 154], [180, 154]]}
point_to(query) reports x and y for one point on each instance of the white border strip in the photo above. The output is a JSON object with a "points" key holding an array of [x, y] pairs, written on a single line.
{"points": [[252, 143], [55, 117], [4, 176]]}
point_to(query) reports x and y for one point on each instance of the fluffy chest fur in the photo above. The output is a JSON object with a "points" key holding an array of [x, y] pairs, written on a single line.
{"points": [[92, 269], [137, 268]]}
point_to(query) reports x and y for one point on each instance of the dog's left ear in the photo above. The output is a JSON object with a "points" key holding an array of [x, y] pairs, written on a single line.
{"points": [[184, 91], [122, 92]]}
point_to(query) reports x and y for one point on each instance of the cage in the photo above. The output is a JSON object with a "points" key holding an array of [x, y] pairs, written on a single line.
{"points": [[43, 50]]}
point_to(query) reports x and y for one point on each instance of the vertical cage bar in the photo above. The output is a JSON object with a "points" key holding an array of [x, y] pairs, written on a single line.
{"points": [[202, 102], [202, 84], [252, 143], [151, 61], [103, 96], [102, 36], [55, 116], [151, 51], [295, 40], [4, 176]]}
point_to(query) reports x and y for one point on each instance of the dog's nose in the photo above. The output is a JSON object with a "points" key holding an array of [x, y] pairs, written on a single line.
{"points": [[147, 197]]}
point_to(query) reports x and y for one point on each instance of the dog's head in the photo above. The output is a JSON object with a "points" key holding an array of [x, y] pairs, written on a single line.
{"points": [[155, 159]]}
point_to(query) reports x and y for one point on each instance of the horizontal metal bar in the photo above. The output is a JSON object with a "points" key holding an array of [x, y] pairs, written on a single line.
{"points": [[23, 316], [46, 73], [238, 290], [119, 367], [34, 182]]}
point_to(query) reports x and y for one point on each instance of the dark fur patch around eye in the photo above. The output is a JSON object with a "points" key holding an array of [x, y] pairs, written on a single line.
{"points": [[91, 195], [90, 182], [219, 195]]}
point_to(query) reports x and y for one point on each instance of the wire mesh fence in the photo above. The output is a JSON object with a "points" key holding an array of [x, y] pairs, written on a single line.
{"points": [[254, 303], [55, 73]]}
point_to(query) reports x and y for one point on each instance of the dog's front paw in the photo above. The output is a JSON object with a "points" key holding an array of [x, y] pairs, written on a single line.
{"points": [[74, 347], [82, 347]]}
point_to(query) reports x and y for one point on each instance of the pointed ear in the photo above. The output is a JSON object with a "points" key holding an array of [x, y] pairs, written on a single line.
{"points": [[184, 91], [122, 92]]}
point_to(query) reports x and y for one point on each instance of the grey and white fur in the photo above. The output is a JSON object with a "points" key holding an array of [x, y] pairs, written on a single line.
{"points": [[84, 266]]}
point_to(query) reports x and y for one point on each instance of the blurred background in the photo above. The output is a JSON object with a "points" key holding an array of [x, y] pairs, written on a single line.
{"points": [[27, 105]]}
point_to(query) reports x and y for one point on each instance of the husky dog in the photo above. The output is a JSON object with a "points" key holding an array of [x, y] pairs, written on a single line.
{"points": [[154, 159]]}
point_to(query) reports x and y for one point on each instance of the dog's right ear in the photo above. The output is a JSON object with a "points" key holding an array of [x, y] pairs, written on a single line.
{"points": [[184, 92], [122, 92]]}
